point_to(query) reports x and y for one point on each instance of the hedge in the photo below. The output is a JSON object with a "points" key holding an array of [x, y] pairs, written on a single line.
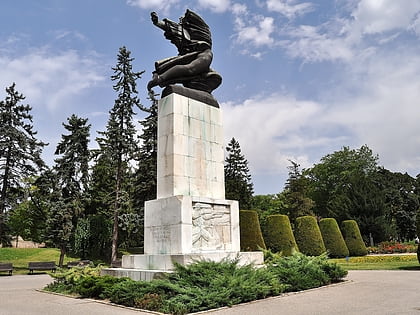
{"points": [[251, 236], [353, 238], [279, 236], [308, 236], [333, 239]]}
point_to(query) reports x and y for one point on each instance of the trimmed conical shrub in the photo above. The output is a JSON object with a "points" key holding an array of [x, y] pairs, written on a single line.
{"points": [[308, 236], [353, 238], [251, 236], [278, 235], [333, 239]]}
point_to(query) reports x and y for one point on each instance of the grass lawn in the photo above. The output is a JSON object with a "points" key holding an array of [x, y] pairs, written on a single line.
{"points": [[20, 257], [397, 262]]}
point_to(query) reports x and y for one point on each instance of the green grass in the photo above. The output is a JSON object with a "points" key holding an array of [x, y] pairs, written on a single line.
{"points": [[20, 257], [398, 262]]}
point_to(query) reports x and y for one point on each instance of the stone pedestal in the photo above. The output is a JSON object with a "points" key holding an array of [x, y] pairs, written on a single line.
{"points": [[190, 220]]}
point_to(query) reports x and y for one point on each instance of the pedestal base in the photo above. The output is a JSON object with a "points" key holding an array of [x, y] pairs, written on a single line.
{"points": [[149, 267]]}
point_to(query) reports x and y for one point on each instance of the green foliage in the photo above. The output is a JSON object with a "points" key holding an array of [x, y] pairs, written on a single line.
{"points": [[378, 262], [301, 272], [82, 235], [238, 184], [402, 202], [118, 143], [295, 194], [203, 285], [267, 205], [353, 238], [145, 178], [333, 239], [20, 153], [251, 236], [346, 185], [278, 235], [308, 236]]}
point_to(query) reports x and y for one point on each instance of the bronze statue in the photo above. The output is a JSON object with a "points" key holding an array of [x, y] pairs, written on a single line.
{"points": [[191, 67]]}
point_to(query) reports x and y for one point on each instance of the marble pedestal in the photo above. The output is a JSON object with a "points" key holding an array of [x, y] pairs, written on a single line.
{"points": [[190, 220]]}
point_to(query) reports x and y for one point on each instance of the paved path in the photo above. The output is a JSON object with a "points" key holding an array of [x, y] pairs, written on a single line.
{"points": [[367, 292]]}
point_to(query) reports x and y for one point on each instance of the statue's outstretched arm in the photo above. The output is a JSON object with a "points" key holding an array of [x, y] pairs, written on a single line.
{"points": [[155, 20]]}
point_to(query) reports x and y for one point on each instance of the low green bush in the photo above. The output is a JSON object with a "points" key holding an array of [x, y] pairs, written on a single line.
{"points": [[279, 236], [203, 285], [251, 237], [308, 236], [353, 238], [333, 239], [301, 272]]}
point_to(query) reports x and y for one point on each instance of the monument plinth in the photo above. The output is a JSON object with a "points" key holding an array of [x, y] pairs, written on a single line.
{"points": [[190, 220]]}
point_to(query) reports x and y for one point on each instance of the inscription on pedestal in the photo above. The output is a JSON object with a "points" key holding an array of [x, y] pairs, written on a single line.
{"points": [[161, 234]]}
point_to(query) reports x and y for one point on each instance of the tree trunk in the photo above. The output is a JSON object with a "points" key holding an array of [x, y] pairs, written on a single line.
{"points": [[114, 248], [62, 254], [4, 192]]}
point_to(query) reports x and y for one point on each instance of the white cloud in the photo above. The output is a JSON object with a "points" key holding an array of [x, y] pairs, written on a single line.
{"points": [[218, 6], [288, 7], [257, 32], [158, 5], [269, 130], [50, 79], [378, 16]]}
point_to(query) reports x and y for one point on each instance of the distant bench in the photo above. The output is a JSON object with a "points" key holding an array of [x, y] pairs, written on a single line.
{"points": [[79, 263], [41, 265], [6, 267]]}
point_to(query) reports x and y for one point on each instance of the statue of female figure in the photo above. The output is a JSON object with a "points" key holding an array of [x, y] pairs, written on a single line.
{"points": [[191, 67]]}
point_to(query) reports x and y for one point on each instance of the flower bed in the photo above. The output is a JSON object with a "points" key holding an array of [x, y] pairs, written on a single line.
{"points": [[392, 248]]}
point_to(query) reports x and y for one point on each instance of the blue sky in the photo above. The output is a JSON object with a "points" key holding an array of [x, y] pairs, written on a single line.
{"points": [[301, 79]]}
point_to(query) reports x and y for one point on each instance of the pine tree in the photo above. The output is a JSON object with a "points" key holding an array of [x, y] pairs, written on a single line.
{"points": [[71, 172], [145, 187], [118, 142], [20, 152], [238, 185], [295, 194]]}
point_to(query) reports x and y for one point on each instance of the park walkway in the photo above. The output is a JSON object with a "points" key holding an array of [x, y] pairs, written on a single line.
{"points": [[365, 292]]}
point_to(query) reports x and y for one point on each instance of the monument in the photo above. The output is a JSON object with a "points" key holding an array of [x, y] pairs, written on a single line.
{"points": [[190, 220]]}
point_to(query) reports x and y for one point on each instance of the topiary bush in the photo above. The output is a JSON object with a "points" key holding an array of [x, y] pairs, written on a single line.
{"points": [[251, 236], [278, 235], [333, 239], [308, 236], [353, 238]]}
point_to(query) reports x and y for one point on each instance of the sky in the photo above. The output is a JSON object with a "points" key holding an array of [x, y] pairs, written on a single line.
{"points": [[301, 79]]}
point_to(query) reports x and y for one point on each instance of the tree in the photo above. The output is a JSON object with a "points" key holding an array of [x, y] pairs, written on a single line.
{"points": [[345, 186], [118, 142], [20, 152], [297, 202], [402, 202], [146, 173], [238, 185], [71, 171]]}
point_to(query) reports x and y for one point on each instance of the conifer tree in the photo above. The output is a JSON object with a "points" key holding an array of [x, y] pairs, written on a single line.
{"points": [[71, 171], [145, 186], [238, 184], [20, 152], [295, 194], [118, 142]]}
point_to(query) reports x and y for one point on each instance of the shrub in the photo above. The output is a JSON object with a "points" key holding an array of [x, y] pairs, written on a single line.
{"points": [[333, 239], [301, 272], [251, 236], [353, 238], [308, 236], [279, 236]]}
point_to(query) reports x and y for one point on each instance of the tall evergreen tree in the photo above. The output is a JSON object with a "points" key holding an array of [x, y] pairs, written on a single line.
{"points": [[20, 152], [145, 186], [238, 184], [118, 142], [71, 170], [297, 202]]}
